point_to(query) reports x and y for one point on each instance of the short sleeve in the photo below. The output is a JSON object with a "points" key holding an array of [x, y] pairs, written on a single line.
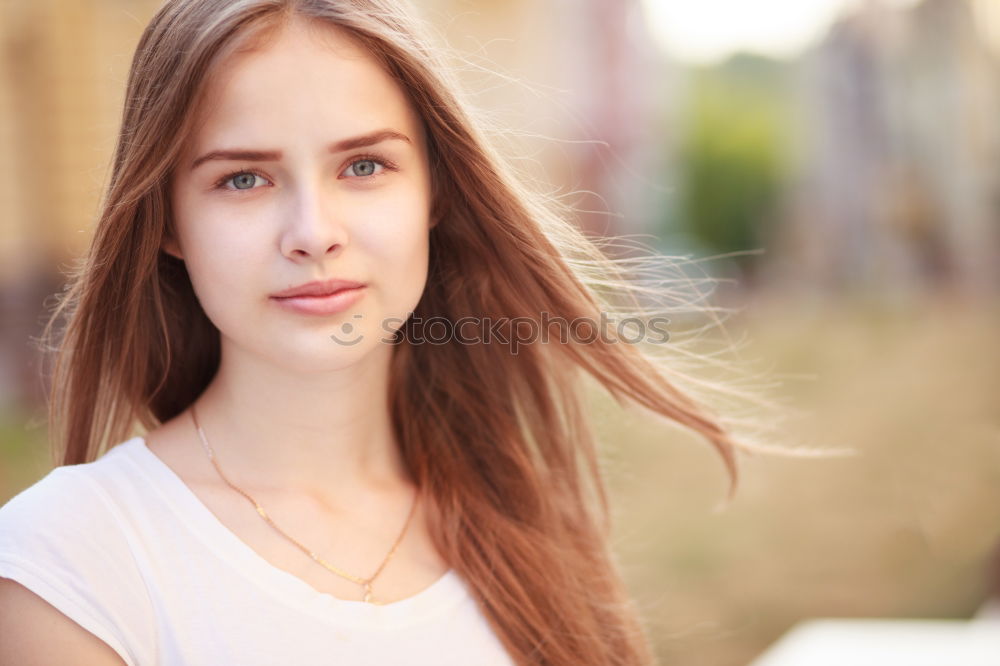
{"points": [[61, 539]]}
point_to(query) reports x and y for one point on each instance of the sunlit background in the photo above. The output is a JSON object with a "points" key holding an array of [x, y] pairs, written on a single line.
{"points": [[837, 162]]}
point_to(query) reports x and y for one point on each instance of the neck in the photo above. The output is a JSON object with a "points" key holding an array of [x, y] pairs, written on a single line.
{"points": [[326, 434]]}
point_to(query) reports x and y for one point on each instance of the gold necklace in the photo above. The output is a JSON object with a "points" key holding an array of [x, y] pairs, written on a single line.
{"points": [[366, 583]]}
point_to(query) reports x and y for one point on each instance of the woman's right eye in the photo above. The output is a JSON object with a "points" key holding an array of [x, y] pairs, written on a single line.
{"points": [[241, 180]]}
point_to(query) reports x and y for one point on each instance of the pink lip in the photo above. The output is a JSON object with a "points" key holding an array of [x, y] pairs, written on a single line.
{"points": [[322, 305], [318, 288], [321, 298]]}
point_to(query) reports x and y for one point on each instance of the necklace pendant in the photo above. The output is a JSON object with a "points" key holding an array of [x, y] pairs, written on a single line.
{"points": [[367, 598]]}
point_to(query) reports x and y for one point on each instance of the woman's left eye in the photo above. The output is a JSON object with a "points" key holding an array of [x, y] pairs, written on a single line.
{"points": [[365, 167]]}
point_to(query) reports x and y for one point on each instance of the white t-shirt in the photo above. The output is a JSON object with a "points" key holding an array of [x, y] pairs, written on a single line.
{"points": [[122, 546]]}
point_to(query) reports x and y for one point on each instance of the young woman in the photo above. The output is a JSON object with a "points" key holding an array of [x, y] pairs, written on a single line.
{"points": [[330, 307]]}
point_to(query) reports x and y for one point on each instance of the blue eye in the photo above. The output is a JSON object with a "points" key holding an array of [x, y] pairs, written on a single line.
{"points": [[367, 170], [242, 180], [369, 166]]}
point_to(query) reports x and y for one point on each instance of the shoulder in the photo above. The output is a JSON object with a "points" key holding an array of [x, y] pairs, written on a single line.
{"points": [[66, 505], [57, 498], [66, 551], [67, 521], [35, 632]]}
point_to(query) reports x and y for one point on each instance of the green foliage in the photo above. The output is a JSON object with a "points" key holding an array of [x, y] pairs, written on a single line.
{"points": [[23, 453], [731, 156]]}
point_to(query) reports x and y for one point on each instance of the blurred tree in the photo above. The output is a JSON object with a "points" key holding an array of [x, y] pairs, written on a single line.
{"points": [[732, 154]]}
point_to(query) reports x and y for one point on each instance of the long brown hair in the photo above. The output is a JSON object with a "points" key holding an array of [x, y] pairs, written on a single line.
{"points": [[499, 443]]}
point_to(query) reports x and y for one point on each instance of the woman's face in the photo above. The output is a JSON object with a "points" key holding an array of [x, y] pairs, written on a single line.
{"points": [[269, 196]]}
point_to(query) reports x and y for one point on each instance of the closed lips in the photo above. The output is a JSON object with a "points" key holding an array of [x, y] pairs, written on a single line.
{"points": [[318, 288]]}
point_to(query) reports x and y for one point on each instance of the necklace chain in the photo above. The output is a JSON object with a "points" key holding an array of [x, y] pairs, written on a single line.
{"points": [[366, 583]]}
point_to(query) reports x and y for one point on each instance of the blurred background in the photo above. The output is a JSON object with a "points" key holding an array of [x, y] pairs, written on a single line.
{"points": [[837, 163]]}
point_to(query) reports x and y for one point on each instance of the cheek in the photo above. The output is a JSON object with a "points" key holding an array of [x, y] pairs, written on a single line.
{"points": [[397, 234], [396, 244], [220, 258]]}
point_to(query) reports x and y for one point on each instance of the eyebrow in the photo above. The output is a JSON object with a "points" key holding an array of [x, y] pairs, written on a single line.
{"points": [[378, 136]]}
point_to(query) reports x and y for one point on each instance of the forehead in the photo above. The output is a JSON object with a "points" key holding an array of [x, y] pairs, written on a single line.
{"points": [[303, 75]]}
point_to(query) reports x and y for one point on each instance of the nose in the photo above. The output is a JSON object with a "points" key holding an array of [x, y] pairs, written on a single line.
{"points": [[313, 228]]}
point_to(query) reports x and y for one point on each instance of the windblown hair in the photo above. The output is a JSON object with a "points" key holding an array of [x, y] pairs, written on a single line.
{"points": [[500, 444]]}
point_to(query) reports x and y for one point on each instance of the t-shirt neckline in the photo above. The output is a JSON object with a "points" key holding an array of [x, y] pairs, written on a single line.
{"points": [[438, 596]]}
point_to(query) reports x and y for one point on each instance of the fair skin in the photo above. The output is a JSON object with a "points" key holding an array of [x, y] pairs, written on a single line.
{"points": [[297, 420]]}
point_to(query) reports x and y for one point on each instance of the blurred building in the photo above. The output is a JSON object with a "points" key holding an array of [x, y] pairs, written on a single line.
{"points": [[899, 181], [62, 76]]}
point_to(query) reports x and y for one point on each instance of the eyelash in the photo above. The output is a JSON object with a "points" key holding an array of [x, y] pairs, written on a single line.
{"points": [[386, 164]]}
